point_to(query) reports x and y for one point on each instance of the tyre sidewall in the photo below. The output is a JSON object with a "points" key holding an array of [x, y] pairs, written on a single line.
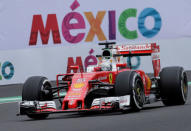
{"points": [[125, 83], [171, 85], [134, 78]]}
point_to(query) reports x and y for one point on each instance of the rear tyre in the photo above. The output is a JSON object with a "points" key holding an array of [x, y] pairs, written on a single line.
{"points": [[173, 86], [36, 88], [130, 83]]}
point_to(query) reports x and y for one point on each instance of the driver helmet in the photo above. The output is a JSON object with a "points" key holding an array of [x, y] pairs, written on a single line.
{"points": [[106, 65]]}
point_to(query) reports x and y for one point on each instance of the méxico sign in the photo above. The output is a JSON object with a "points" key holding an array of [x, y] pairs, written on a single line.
{"points": [[51, 26], [69, 22]]}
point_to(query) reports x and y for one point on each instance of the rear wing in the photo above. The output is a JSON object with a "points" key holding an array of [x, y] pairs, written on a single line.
{"points": [[137, 50], [152, 50]]}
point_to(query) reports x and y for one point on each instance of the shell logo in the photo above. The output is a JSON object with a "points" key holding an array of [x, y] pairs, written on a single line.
{"points": [[110, 78], [75, 94], [79, 85]]}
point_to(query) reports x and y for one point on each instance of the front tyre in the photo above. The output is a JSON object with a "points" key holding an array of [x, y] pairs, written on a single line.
{"points": [[37, 88], [173, 86]]}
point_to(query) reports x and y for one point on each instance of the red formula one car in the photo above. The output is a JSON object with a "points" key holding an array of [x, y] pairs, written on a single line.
{"points": [[110, 86]]}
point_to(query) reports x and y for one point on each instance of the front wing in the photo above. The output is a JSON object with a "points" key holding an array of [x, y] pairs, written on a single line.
{"points": [[98, 104]]}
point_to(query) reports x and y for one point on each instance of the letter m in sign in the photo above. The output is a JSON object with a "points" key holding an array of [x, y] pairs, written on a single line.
{"points": [[38, 26]]}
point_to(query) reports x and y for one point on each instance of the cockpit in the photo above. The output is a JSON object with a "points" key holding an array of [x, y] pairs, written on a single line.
{"points": [[106, 61]]}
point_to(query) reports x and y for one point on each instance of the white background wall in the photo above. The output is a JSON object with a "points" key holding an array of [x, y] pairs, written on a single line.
{"points": [[16, 20]]}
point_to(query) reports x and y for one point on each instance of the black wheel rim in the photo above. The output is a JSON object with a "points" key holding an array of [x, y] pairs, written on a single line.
{"points": [[46, 86], [184, 86], [138, 93]]}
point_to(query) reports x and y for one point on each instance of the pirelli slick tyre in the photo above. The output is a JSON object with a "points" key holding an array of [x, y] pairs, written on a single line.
{"points": [[173, 86], [130, 83], [35, 89]]}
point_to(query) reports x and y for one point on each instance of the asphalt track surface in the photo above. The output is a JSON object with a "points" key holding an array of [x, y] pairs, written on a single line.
{"points": [[154, 117]]}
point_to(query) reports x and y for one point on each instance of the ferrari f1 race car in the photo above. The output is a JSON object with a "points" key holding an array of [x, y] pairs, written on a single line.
{"points": [[111, 85]]}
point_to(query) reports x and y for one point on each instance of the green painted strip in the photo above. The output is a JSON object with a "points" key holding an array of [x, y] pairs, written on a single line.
{"points": [[19, 98], [0, 75], [61, 94], [10, 99], [189, 83]]}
